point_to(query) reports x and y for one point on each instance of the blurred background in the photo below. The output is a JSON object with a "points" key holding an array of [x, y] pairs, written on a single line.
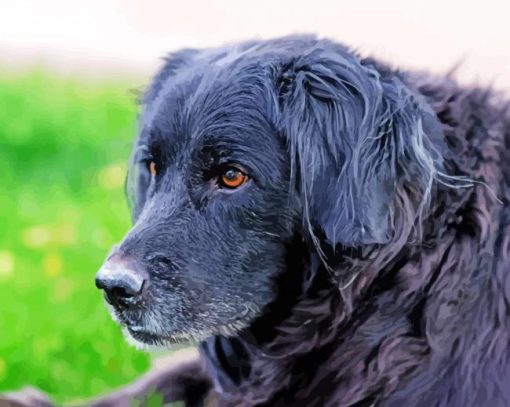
{"points": [[69, 75]]}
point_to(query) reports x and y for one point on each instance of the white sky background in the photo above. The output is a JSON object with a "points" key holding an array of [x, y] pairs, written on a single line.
{"points": [[129, 36]]}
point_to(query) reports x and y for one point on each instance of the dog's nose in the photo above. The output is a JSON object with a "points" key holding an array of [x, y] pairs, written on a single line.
{"points": [[121, 280]]}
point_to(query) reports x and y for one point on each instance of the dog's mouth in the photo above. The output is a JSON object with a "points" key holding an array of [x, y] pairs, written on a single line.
{"points": [[142, 336], [145, 337], [144, 329]]}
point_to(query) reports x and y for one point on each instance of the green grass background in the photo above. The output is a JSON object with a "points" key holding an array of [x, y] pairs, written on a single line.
{"points": [[64, 144]]}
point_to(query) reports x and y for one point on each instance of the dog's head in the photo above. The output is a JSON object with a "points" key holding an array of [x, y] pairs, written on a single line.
{"points": [[244, 150]]}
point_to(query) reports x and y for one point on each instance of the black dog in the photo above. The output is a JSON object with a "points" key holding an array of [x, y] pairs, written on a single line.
{"points": [[332, 232]]}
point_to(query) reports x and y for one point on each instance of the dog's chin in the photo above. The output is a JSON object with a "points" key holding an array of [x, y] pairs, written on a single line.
{"points": [[143, 338], [146, 340], [151, 336]]}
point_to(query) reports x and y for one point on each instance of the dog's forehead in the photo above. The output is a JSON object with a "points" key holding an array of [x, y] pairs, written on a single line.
{"points": [[236, 67], [208, 106]]}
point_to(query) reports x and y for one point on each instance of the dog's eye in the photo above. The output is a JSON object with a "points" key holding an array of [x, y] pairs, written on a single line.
{"points": [[152, 168], [232, 178]]}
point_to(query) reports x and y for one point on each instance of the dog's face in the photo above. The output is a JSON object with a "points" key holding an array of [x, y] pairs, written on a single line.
{"points": [[209, 181], [241, 150]]}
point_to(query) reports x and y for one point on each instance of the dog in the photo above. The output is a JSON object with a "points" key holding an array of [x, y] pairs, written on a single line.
{"points": [[328, 230]]}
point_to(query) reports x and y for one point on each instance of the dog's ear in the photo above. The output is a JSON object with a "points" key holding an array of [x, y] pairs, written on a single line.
{"points": [[363, 147]]}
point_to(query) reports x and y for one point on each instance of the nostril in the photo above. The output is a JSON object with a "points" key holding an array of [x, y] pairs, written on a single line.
{"points": [[120, 292]]}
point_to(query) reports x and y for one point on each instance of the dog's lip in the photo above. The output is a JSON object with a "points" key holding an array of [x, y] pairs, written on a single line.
{"points": [[141, 334], [136, 328], [107, 299]]}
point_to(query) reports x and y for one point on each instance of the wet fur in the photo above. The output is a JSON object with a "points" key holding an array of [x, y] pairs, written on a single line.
{"points": [[384, 276]]}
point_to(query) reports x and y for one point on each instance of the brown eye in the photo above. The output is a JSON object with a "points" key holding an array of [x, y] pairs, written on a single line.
{"points": [[152, 168], [233, 178]]}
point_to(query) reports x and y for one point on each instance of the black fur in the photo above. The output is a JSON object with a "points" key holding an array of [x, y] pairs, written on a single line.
{"points": [[366, 262]]}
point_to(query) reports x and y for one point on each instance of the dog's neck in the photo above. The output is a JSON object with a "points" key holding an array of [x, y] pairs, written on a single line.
{"points": [[262, 365], [297, 335]]}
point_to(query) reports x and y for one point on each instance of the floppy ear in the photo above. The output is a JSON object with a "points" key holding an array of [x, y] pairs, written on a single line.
{"points": [[363, 148]]}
